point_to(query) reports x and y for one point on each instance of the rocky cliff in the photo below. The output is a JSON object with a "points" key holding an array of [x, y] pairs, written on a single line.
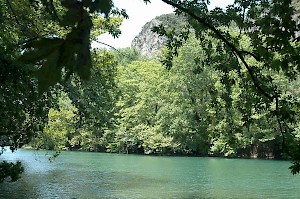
{"points": [[149, 43]]}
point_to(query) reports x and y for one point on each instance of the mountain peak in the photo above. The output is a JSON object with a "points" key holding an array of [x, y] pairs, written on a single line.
{"points": [[149, 43]]}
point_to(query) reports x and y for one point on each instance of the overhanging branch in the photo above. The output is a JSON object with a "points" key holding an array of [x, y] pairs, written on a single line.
{"points": [[239, 53]]}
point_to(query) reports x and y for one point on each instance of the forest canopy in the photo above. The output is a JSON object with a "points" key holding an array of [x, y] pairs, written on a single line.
{"points": [[229, 85]]}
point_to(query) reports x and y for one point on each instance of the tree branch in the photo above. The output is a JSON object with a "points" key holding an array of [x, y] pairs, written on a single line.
{"points": [[110, 47], [240, 55], [238, 52], [251, 54]]}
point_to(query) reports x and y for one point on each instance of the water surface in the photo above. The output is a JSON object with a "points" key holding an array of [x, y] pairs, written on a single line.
{"points": [[100, 175]]}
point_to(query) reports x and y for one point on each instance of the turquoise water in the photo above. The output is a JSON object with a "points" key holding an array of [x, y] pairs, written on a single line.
{"points": [[100, 175]]}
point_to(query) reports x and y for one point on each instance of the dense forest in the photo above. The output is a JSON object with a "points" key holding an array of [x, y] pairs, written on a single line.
{"points": [[148, 109], [225, 84]]}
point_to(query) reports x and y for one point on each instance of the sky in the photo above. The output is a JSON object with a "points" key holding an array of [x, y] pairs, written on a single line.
{"points": [[139, 14]]}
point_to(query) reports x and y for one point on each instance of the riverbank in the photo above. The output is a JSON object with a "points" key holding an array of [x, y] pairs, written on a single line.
{"points": [[249, 155]]}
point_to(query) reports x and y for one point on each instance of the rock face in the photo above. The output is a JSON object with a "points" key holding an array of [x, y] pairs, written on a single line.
{"points": [[149, 43]]}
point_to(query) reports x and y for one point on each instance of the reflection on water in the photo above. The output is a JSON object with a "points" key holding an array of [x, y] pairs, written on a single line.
{"points": [[98, 175]]}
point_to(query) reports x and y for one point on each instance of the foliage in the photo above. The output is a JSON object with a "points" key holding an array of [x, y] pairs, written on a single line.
{"points": [[36, 33], [226, 92], [12, 170], [136, 129], [125, 56], [84, 112], [272, 31], [95, 101], [60, 124], [189, 109], [70, 52], [19, 100]]}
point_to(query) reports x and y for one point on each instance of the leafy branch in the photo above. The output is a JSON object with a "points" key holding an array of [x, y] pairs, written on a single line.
{"points": [[240, 54], [219, 35]]}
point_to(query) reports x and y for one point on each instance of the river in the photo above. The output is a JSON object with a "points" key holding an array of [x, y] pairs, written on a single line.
{"points": [[101, 175]]}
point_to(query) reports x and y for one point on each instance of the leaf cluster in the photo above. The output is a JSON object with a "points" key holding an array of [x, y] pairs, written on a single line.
{"points": [[12, 170], [59, 56]]}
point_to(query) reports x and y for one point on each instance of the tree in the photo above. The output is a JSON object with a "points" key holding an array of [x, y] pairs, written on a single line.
{"points": [[272, 30], [61, 123], [84, 112], [94, 101], [232, 117], [136, 129], [23, 113], [34, 33]]}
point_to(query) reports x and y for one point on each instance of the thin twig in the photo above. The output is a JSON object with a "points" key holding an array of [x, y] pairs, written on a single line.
{"points": [[110, 47], [251, 54]]}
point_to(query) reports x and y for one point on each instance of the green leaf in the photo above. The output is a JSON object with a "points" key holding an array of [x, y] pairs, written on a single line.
{"points": [[103, 6], [84, 63], [50, 72], [43, 48], [276, 65], [71, 17], [295, 168], [87, 3], [69, 3], [45, 43], [67, 57]]}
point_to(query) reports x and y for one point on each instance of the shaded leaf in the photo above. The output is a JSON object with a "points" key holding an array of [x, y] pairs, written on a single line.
{"points": [[71, 17], [50, 72], [103, 6], [69, 3], [43, 48]]}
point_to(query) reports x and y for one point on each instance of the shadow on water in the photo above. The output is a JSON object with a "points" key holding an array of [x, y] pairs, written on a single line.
{"points": [[62, 184]]}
